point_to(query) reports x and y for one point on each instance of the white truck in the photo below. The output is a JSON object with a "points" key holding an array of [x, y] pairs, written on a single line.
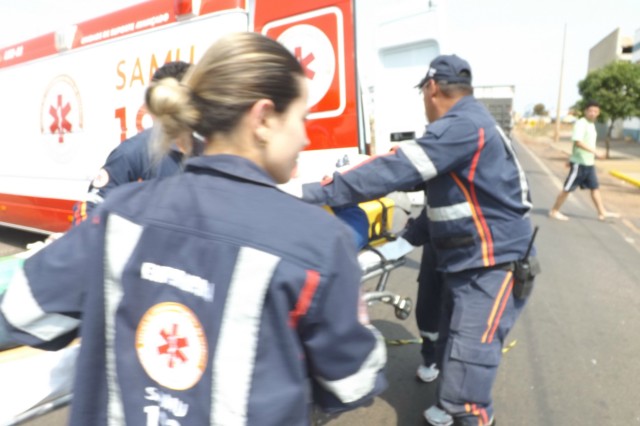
{"points": [[499, 102]]}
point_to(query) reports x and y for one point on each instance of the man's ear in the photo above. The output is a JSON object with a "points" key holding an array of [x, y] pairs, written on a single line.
{"points": [[434, 88], [261, 118]]}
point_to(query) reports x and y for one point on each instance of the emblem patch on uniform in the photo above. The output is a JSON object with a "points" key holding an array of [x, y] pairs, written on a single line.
{"points": [[171, 346], [101, 179]]}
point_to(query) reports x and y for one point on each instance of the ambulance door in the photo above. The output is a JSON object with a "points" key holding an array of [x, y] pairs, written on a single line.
{"points": [[320, 33]]}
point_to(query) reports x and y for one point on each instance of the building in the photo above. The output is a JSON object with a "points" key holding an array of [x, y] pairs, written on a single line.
{"points": [[632, 126], [616, 47]]}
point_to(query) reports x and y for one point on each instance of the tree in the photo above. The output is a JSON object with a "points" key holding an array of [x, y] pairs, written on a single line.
{"points": [[540, 110], [616, 88]]}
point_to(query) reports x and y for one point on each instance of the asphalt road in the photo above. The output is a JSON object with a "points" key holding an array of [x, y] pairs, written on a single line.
{"points": [[572, 357]]}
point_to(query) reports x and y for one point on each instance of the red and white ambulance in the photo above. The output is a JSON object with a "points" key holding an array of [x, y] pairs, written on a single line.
{"points": [[68, 97]]}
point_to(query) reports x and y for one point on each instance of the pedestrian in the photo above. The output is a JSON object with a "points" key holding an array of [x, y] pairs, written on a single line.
{"points": [[478, 204], [210, 297], [582, 171], [132, 160]]}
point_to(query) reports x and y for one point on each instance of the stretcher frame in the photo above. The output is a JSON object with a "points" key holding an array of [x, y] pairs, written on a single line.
{"points": [[41, 410], [403, 306]]}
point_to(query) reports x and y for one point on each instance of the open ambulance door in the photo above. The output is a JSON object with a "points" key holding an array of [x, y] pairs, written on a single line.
{"points": [[321, 35]]}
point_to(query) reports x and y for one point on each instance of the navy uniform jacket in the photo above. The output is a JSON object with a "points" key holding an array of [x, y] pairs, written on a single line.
{"points": [[131, 161], [210, 297], [478, 198]]}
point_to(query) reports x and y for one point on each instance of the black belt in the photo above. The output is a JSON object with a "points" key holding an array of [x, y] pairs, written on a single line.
{"points": [[449, 243]]}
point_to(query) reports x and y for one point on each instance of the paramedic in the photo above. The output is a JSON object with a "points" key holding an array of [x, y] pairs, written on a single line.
{"points": [[131, 161], [429, 300], [478, 206], [210, 297]]}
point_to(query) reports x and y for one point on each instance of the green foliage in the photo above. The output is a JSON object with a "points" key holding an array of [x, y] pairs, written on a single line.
{"points": [[616, 88], [540, 110]]}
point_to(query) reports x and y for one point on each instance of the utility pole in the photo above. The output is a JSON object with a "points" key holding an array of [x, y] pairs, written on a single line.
{"points": [[556, 136]]}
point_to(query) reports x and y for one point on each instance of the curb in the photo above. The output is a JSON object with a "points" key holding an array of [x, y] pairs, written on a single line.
{"points": [[625, 177]]}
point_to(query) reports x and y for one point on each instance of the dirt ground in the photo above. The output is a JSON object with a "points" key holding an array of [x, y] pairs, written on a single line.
{"points": [[618, 195]]}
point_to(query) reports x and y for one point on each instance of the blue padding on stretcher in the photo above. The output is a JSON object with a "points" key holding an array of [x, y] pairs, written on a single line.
{"points": [[357, 220]]}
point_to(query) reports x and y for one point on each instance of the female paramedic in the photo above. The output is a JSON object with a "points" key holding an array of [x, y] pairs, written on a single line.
{"points": [[210, 297]]}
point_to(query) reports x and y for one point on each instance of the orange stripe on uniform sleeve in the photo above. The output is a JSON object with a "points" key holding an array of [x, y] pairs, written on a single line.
{"points": [[305, 298]]}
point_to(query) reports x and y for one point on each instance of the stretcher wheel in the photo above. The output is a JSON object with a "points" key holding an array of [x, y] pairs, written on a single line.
{"points": [[404, 308]]}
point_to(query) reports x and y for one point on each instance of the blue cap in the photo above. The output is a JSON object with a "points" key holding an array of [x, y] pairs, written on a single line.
{"points": [[448, 68]]}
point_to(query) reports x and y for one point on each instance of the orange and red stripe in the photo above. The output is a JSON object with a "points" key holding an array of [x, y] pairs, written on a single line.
{"points": [[305, 298], [498, 308], [481, 413], [486, 239]]}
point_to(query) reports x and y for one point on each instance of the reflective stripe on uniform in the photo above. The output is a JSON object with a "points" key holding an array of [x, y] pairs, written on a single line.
{"points": [[23, 312], [447, 213], [429, 335], [121, 238], [234, 358], [362, 382], [419, 159], [524, 186], [498, 308], [481, 413]]}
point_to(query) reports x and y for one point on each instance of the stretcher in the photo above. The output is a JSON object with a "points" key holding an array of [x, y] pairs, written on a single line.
{"points": [[37, 382], [384, 251], [378, 262]]}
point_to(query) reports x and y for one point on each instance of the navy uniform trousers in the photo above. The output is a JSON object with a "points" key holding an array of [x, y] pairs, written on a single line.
{"points": [[482, 310], [428, 307]]}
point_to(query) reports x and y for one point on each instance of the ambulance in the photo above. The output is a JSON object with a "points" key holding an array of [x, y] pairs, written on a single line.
{"points": [[70, 96]]}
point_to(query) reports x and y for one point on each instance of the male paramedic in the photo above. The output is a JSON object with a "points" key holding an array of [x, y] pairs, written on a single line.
{"points": [[478, 206], [429, 299], [133, 159]]}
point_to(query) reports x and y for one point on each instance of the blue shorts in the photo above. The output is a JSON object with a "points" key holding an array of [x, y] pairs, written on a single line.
{"points": [[581, 176]]}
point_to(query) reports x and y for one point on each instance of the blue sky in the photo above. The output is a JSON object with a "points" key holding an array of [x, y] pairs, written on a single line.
{"points": [[506, 41]]}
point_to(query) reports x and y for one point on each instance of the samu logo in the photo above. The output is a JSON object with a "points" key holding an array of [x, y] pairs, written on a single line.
{"points": [[61, 116]]}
